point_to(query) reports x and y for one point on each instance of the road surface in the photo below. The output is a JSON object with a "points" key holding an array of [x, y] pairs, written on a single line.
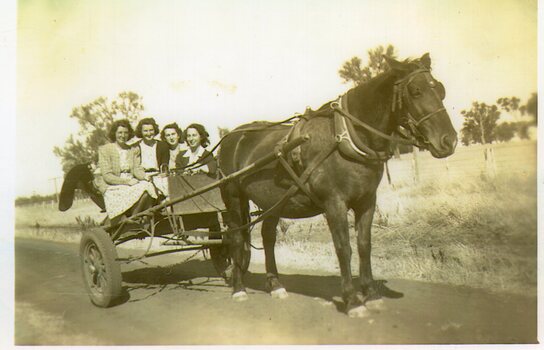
{"points": [[168, 303]]}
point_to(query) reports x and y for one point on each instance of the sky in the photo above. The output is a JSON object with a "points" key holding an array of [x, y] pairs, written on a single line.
{"points": [[223, 63]]}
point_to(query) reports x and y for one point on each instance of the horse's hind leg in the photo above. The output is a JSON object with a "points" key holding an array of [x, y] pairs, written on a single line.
{"points": [[268, 232], [238, 212], [336, 215]]}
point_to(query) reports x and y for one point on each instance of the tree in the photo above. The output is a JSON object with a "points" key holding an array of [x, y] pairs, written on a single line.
{"points": [[531, 107], [510, 104], [522, 129], [480, 123], [94, 121], [505, 132], [352, 71]]}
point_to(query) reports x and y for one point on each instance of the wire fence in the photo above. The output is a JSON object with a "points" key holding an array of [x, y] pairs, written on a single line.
{"points": [[467, 162]]}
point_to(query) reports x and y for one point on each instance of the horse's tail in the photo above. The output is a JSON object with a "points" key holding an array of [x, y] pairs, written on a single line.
{"points": [[79, 177]]}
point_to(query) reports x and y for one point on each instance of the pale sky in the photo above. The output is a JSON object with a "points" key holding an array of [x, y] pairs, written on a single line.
{"points": [[223, 63]]}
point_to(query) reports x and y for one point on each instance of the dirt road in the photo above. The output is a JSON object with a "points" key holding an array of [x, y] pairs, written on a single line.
{"points": [[185, 304]]}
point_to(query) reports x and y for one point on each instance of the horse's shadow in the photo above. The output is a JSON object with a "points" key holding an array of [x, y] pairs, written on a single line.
{"points": [[198, 275]]}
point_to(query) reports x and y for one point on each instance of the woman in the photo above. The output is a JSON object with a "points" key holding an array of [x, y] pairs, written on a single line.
{"points": [[196, 159], [122, 180], [171, 134], [153, 153]]}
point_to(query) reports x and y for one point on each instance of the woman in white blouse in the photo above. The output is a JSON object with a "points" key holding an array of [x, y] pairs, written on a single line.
{"points": [[153, 153], [196, 159]]}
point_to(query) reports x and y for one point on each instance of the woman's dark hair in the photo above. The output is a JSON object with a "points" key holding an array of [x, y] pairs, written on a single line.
{"points": [[147, 121], [116, 124], [172, 126], [204, 136]]}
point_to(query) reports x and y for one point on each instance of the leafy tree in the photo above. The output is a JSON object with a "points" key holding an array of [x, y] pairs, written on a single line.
{"points": [[510, 104], [94, 121], [522, 129], [505, 132], [352, 71], [480, 123], [531, 107]]}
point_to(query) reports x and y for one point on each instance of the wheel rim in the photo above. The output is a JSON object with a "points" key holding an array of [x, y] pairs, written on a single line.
{"points": [[95, 269]]}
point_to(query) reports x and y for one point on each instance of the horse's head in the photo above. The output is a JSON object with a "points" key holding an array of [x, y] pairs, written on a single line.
{"points": [[418, 99]]}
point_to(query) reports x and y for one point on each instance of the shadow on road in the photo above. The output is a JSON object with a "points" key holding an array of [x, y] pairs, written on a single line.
{"points": [[198, 275]]}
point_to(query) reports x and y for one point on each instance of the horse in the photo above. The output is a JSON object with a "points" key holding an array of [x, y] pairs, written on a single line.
{"points": [[338, 169]]}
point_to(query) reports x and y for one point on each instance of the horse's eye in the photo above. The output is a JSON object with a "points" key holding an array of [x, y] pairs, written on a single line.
{"points": [[432, 83], [415, 93]]}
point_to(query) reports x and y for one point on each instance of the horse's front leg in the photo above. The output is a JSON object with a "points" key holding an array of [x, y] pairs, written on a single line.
{"points": [[268, 232], [364, 215], [336, 215]]}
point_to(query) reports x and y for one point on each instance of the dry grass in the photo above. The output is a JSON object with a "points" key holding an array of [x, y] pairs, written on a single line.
{"points": [[81, 213], [478, 232]]}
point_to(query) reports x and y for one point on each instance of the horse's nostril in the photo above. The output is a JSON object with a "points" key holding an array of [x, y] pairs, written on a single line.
{"points": [[448, 141]]}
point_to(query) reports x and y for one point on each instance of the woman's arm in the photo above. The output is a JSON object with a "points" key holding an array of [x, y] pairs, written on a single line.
{"points": [[209, 164], [163, 155], [181, 160], [104, 163], [137, 169]]}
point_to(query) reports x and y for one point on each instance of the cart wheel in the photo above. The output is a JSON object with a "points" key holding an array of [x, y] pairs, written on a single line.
{"points": [[101, 271], [223, 263]]}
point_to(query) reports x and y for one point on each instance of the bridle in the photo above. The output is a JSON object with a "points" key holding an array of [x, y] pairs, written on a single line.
{"points": [[407, 121], [408, 125]]}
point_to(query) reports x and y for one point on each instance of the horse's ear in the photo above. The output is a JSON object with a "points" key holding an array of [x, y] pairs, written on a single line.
{"points": [[426, 60], [395, 65]]}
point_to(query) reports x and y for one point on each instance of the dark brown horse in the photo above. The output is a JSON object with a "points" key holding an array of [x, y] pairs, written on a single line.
{"points": [[341, 166]]}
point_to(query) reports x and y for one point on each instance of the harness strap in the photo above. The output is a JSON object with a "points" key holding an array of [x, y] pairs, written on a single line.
{"points": [[299, 183], [335, 105], [288, 194]]}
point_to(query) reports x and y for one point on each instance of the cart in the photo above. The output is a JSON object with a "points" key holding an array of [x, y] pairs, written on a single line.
{"points": [[193, 219]]}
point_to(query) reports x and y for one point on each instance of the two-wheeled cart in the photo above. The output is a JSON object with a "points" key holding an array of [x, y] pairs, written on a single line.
{"points": [[191, 220]]}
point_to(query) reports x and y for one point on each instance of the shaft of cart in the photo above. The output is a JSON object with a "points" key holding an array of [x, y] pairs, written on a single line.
{"points": [[284, 149]]}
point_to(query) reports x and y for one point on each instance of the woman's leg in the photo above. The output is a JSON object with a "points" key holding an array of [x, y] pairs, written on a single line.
{"points": [[145, 202]]}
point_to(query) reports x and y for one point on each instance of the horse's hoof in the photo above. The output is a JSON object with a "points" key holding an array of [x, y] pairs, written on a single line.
{"points": [[375, 304], [279, 293], [240, 296], [358, 312]]}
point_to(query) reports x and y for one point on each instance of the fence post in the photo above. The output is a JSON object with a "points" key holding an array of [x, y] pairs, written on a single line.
{"points": [[415, 164], [490, 166]]}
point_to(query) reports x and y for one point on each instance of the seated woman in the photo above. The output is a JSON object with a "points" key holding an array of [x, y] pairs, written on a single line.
{"points": [[122, 180], [153, 154], [172, 135], [196, 159]]}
